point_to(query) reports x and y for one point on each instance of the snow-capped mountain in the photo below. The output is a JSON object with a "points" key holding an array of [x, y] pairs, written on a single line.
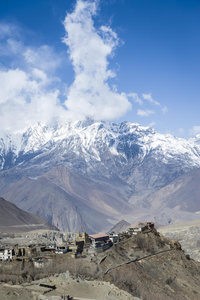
{"points": [[134, 160], [99, 149]]}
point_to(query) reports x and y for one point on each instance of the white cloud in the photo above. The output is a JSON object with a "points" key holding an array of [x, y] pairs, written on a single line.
{"points": [[89, 48], [25, 99], [8, 30], [29, 86], [28, 92], [135, 98], [195, 130], [149, 98], [20, 55], [5, 30], [43, 57], [165, 109], [152, 124], [145, 113]]}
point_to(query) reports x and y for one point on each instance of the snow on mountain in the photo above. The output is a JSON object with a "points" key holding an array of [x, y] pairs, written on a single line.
{"points": [[129, 161], [90, 139]]}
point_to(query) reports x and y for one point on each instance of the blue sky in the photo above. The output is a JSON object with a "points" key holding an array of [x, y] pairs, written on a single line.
{"points": [[146, 68]]}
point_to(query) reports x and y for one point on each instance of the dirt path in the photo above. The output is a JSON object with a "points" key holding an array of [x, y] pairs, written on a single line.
{"points": [[135, 260]]}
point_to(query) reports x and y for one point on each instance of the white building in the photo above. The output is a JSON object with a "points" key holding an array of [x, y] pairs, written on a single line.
{"points": [[5, 254]]}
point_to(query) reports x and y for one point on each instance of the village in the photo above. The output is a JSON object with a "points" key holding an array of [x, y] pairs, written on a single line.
{"points": [[71, 244], [75, 265]]}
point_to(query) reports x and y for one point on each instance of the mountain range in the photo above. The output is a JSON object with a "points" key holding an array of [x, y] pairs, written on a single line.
{"points": [[88, 175]]}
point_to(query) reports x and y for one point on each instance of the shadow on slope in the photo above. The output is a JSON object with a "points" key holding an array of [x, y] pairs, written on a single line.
{"points": [[13, 219]]}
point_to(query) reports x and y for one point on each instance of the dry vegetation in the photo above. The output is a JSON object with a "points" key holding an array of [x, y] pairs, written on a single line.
{"points": [[159, 268]]}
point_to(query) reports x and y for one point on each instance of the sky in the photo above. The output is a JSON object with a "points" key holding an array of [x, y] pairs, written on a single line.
{"points": [[118, 60]]}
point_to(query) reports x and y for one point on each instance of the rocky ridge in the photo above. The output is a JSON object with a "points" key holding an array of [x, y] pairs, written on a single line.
{"points": [[128, 161], [14, 220]]}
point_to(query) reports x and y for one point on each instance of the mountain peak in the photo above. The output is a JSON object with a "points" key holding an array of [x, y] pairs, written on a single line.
{"points": [[130, 161], [91, 139]]}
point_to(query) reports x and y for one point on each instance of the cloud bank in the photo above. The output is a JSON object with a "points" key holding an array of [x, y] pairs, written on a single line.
{"points": [[28, 85], [32, 91], [26, 99], [89, 49]]}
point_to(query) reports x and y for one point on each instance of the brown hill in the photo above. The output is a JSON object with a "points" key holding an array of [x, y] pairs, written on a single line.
{"points": [[183, 194], [13, 219], [120, 226], [71, 201], [147, 266], [68, 200], [159, 269]]}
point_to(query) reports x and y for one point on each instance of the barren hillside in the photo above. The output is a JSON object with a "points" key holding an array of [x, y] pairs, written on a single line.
{"points": [[13, 219]]}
